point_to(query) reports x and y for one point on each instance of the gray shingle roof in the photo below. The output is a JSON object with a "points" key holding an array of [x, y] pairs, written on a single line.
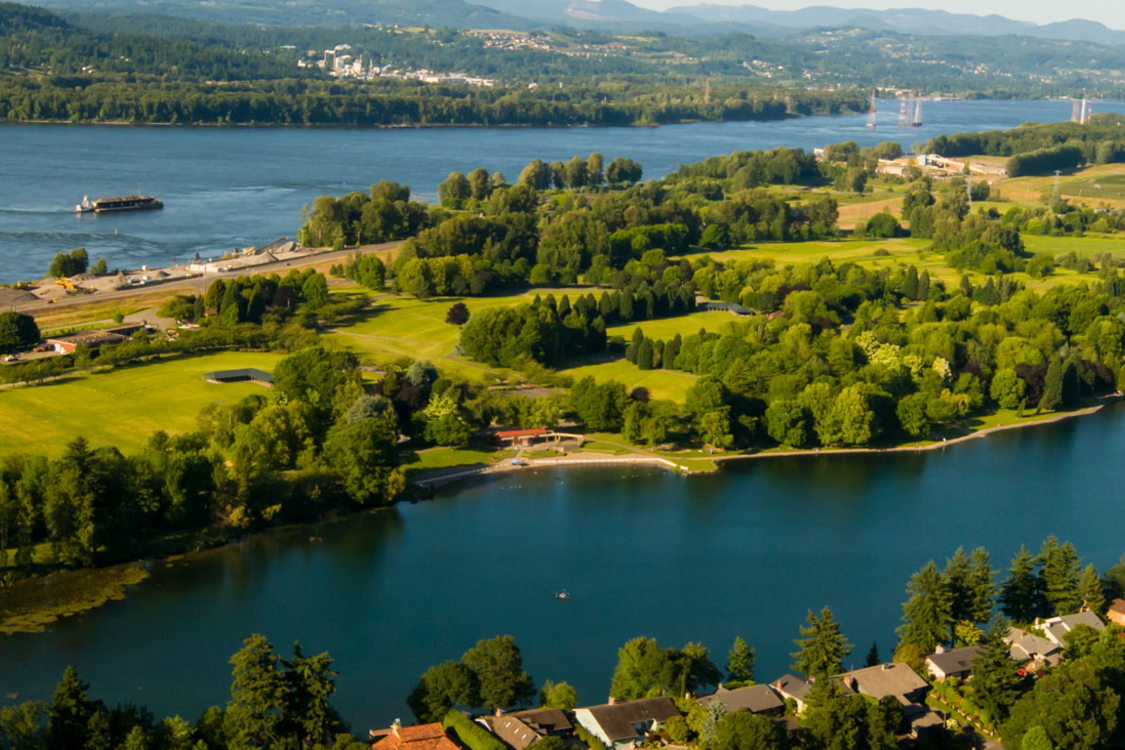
{"points": [[753, 698], [619, 720]]}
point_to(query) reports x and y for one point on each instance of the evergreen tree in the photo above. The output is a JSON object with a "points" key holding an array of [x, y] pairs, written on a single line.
{"points": [[822, 648], [311, 682], [1059, 573], [982, 587], [1020, 594], [996, 684], [1091, 591], [258, 697], [872, 659], [928, 613], [69, 712], [740, 661], [958, 570], [1052, 386]]}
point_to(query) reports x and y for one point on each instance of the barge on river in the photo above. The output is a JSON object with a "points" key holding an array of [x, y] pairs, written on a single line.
{"points": [[121, 203]]}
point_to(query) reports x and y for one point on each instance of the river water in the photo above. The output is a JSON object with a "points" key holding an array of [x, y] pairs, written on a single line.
{"points": [[743, 552], [235, 187]]}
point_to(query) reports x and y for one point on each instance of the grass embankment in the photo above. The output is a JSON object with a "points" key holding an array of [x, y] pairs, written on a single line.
{"points": [[122, 406], [31, 605]]}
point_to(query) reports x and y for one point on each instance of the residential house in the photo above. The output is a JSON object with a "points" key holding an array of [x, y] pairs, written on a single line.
{"points": [[421, 737], [521, 728], [897, 680], [625, 724], [790, 686], [1116, 613], [953, 663], [1056, 628], [1032, 650], [757, 699]]}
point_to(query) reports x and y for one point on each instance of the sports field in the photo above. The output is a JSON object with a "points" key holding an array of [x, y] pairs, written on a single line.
{"points": [[122, 406]]}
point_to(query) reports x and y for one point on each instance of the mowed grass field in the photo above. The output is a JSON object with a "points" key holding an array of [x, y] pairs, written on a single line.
{"points": [[121, 407]]}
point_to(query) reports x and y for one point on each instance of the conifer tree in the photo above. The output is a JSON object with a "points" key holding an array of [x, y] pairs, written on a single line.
{"points": [[822, 648], [1059, 573], [1020, 596], [740, 661], [982, 587], [958, 570], [928, 613], [1090, 589], [995, 679]]}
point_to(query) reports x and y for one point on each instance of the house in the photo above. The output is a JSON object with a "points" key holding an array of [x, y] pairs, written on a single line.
{"points": [[243, 375], [1116, 613], [792, 687], [521, 728], [421, 737], [1056, 628], [897, 680], [1032, 650], [624, 725], [953, 663], [757, 699]]}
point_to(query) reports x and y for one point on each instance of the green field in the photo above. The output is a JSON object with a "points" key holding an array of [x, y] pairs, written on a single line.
{"points": [[685, 325], [122, 406], [1083, 247], [1109, 187], [670, 384]]}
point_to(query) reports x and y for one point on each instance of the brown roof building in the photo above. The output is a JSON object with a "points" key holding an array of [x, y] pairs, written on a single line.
{"points": [[521, 728], [897, 680], [757, 699], [1116, 613], [421, 737], [624, 725]]}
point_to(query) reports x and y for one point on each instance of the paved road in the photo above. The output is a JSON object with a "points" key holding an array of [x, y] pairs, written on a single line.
{"points": [[200, 283]]}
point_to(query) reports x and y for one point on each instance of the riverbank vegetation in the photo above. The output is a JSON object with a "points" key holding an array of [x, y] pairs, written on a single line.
{"points": [[724, 295], [1067, 697]]}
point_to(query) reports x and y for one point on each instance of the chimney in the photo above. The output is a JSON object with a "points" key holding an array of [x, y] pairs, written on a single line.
{"points": [[886, 667], [499, 711], [612, 701], [396, 728], [940, 649]]}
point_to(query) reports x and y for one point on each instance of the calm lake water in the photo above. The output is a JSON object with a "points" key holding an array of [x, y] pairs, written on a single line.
{"points": [[235, 187], [744, 552]]}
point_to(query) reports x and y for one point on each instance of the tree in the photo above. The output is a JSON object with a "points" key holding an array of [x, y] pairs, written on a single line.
{"points": [[1074, 705], [996, 685], [311, 682], [1020, 594], [258, 697], [1059, 570], [364, 455], [958, 569], [822, 648], [1090, 590], [1036, 739], [315, 291], [743, 730], [441, 688], [927, 614], [69, 712], [713, 714], [458, 314], [498, 666], [18, 332], [645, 670], [981, 586], [558, 695], [454, 190], [740, 661]]}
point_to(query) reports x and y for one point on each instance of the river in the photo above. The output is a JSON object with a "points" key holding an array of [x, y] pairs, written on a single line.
{"points": [[236, 187], [745, 552]]}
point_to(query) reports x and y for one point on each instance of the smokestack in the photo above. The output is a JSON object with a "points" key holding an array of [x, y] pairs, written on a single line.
{"points": [[396, 728]]}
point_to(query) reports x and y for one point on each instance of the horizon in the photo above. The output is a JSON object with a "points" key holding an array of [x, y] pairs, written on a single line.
{"points": [[1032, 11]]}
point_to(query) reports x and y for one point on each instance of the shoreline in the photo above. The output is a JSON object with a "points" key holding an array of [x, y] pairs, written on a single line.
{"points": [[440, 478], [41, 618]]}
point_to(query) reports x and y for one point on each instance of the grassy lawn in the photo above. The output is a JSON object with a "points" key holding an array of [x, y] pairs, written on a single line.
{"points": [[444, 458], [685, 325], [660, 383], [1091, 244], [399, 326], [120, 407]]}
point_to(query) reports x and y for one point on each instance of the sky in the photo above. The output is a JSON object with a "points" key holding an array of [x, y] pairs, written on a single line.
{"points": [[1109, 12]]}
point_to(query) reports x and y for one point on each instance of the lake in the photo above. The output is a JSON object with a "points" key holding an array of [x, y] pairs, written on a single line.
{"points": [[236, 187], [744, 552]]}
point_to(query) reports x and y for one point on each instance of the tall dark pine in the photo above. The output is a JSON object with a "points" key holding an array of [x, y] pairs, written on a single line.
{"points": [[1020, 595], [958, 572], [996, 682]]}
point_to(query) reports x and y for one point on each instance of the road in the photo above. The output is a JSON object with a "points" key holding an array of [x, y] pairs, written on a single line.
{"points": [[200, 283]]}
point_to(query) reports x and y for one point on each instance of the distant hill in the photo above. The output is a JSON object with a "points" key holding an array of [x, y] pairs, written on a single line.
{"points": [[454, 13], [611, 16], [904, 20]]}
